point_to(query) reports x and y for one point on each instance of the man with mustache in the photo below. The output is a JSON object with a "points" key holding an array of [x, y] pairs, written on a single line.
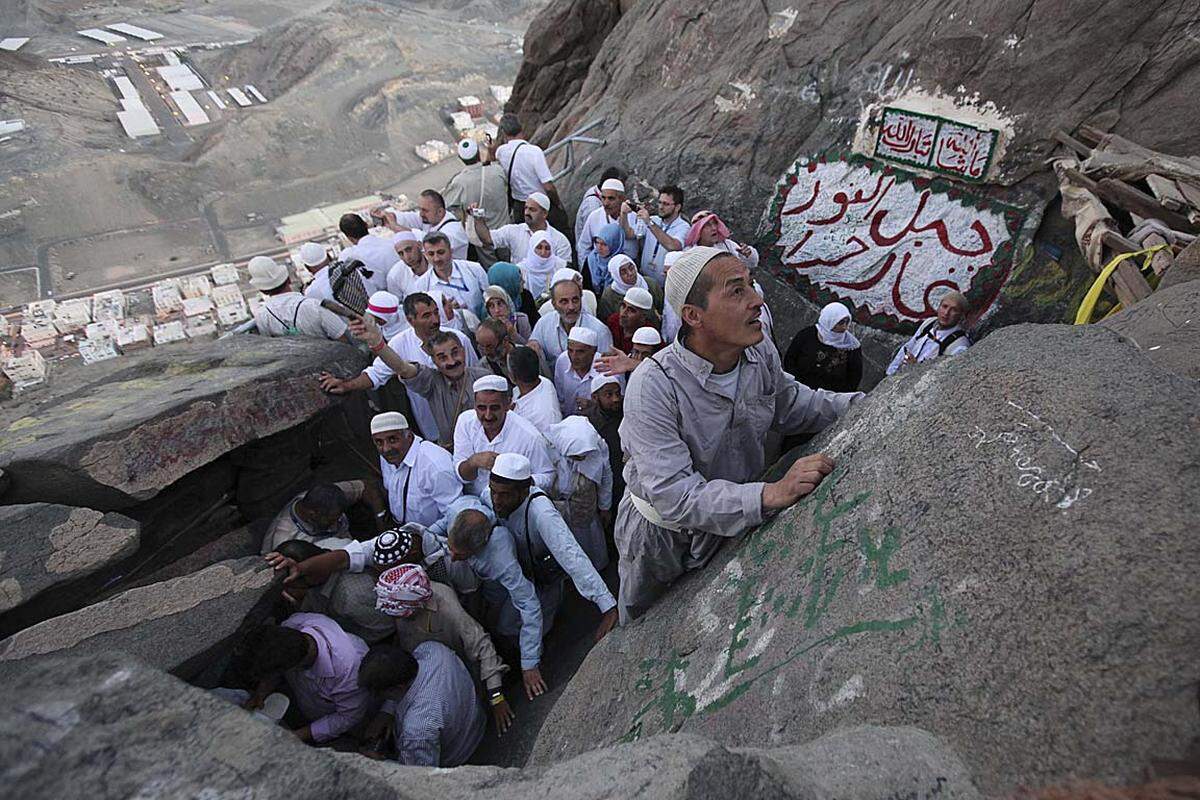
{"points": [[696, 414]]}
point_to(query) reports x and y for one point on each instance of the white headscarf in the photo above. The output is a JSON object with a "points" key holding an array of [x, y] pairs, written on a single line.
{"points": [[575, 436], [614, 269], [392, 322], [537, 270], [831, 315]]}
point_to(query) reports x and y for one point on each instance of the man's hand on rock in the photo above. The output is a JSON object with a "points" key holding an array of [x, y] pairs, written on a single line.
{"points": [[282, 563], [332, 384], [608, 621], [534, 685], [803, 477], [503, 716]]}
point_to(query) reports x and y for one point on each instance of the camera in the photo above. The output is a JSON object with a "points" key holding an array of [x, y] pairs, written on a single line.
{"points": [[478, 213], [634, 205]]}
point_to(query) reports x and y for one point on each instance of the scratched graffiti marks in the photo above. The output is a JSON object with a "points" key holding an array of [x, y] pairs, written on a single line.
{"points": [[1035, 452], [673, 692], [887, 242], [946, 146]]}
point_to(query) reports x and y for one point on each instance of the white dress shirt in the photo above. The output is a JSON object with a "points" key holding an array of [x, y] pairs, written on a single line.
{"points": [[466, 283], [529, 171], [423, 487], [377, 255], [553, 339], [516, 239], [589, 203], [516, 436], [539, 406], [448, 225], [570, 385]]}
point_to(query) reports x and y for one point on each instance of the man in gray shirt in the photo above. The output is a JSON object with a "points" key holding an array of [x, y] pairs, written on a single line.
{"points": [[695, 417]]}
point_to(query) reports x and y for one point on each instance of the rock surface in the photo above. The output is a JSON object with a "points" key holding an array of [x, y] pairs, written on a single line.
{"points": [[1166, 328], [117, 435], [682, 101], [177, 625], [1005, 557], [42, 545], [110, 727], [1185, 268]]}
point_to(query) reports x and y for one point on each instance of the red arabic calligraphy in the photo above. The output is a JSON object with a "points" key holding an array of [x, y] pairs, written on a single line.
{"points": [[907, 136], [962, 151]]}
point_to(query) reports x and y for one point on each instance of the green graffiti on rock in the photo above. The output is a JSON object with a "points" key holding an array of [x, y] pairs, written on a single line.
{"points": [[820, 578]]}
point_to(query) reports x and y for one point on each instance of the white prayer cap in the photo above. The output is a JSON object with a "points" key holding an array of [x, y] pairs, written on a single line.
{"points": [[312, 254], [383, 303], [639, 298], [405, 236], [584, 336], [541, 199], [564, 274], [670, 258], [388, 421], [513, 467], [490, 383], [612, 185], [600, 381], [683, 275], [647, 336], [468, 149], [266, 273]]}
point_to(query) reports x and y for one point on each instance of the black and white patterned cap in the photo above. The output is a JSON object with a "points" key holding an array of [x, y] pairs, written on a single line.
{"points": [[392, 547]]}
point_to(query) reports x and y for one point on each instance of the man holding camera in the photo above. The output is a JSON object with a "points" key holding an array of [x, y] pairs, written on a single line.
{"points": [[516, 237], [659, 233]]}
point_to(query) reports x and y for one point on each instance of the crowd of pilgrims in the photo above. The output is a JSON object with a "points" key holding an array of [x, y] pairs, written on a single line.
{"points": [[501, 359]]}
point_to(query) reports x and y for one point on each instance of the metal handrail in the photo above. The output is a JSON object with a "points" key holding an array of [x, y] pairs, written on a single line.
{"points": [[566, 142]]}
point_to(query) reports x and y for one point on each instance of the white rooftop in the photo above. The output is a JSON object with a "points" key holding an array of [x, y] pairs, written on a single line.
{"points": [[192, 111], [180, 78], [13, 43], [135, 31], [108, 37], [239, 96], [136, 120], [257, 94]]}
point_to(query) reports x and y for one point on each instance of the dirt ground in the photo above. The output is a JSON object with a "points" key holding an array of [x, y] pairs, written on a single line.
{"points": [[351, 89]]}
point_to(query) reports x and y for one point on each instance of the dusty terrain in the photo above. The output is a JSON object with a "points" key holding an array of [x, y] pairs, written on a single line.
{"points": [[351, 88]]}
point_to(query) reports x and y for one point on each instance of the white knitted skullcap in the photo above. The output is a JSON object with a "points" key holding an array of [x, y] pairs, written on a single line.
{"points": [[612, 185], [513, 466], [683, 275], [639, 298], [388, 421], [490, 383], [584, 336], [647, 336]]}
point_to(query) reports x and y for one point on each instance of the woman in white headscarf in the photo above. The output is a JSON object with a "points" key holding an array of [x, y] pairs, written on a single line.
{"points": [[827, 355], [385, 308], [585, 484], [625, 276], [539, 263]]}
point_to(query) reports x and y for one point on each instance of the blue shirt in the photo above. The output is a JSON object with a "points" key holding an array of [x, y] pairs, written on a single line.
{"points": [[439, 721]]}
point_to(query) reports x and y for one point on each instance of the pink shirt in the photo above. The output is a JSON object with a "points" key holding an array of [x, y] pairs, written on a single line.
{"points": [[327, 692]]}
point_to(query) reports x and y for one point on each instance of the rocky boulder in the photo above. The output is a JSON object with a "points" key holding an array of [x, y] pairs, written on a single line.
{"points": [[1005, 557], [118, 432], [109, 727], [42, 545], [681, 103], [1166, 327], [106, 726], [180, 625]]}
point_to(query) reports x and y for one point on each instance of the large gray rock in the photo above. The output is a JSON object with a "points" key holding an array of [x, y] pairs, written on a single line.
{"points": [[178, 625], [42, 545], [118, 432], [108, 727], [1166, 327], [1005, 557]]}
